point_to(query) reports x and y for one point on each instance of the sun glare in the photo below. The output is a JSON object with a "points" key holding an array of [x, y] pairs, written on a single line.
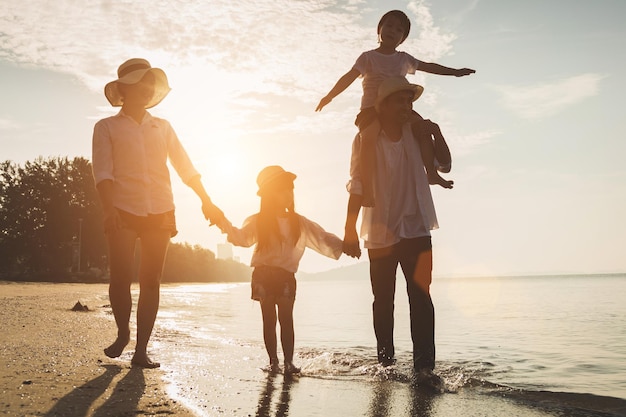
{"points": [[228, 166]]}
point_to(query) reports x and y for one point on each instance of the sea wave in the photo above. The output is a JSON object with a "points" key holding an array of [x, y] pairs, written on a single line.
{"points": [[359, 365]]}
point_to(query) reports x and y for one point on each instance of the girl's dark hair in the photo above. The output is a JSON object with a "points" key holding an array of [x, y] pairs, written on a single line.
{"points": [[404, 20], [267, 223]]}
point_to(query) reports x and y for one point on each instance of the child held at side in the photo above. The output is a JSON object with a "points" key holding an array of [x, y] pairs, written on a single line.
{"points": [[375, 66], [281, 236]]}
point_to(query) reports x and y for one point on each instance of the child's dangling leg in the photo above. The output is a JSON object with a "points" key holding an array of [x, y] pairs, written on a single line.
{"points": [[425, 141], [367, 156]]}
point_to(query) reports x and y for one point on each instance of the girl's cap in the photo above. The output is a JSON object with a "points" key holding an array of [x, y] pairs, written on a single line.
{"points": [[131, 72], [271, 174]]}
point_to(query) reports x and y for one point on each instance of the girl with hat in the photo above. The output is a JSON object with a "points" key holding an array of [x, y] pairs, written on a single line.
{"points": [[130, 155], [281, 237]]}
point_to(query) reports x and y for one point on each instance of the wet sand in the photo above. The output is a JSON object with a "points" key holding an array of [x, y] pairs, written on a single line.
{"points": [[52, 362]]}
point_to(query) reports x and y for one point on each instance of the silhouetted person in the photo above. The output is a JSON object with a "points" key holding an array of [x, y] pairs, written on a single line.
{"points": [[130, 154], [281, 236], [397, 230], [375, 66]]}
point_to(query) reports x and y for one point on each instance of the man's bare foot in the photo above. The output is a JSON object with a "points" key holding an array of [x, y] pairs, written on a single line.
{"points": [[144, 361], [116, 349], [290, 369], [437, 179]]}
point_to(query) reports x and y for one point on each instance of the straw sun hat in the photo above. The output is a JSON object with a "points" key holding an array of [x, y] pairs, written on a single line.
{"points": [[393, 85], [270, 176], [131, 72]]}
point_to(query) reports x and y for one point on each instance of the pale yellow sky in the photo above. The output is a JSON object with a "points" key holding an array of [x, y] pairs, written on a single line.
{"points": [[536, 133]]}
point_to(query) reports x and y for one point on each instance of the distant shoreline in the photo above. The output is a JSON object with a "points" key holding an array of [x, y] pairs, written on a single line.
{"points": [[354, 272]]}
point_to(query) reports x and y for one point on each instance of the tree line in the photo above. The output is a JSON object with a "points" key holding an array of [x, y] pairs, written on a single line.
{"points": [[51, 229]]}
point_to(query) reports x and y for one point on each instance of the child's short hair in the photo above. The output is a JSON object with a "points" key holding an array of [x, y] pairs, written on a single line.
{"points": [[404, 21]]}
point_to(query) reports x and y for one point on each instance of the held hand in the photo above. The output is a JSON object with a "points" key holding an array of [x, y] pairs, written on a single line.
{"points": [[324, 101], [351, 245], [212, 213], [464, 71]]}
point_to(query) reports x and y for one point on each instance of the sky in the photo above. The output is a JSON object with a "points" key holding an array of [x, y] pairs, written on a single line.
{"points": [[536, 134]]}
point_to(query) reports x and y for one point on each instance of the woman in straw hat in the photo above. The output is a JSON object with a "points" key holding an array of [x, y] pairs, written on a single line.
{"points": [[130, 154], [281, 236]]}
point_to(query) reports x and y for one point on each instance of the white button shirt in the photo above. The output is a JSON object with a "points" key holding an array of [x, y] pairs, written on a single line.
{"points": [[404, 207], [134, 156]]}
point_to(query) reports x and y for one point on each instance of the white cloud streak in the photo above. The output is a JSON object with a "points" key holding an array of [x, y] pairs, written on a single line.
{"points": [[8, 124], [544, 100], [283, 46]]}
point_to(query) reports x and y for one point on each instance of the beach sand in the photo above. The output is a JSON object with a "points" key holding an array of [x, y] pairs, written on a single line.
{"points": [[52, 362]]}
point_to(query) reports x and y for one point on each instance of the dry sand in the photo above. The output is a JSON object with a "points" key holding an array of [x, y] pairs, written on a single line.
{"points": [[51, 359]]}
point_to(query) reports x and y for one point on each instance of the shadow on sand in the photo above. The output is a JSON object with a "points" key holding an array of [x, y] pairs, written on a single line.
{"points": [[125, 396], [382, 400], [264, 408]]}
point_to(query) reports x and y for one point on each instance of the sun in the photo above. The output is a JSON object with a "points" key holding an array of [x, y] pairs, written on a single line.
{"points": [[229, 165]]}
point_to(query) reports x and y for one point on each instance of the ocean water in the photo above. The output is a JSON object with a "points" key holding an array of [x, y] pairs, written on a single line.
{"points": [[549, 341]]}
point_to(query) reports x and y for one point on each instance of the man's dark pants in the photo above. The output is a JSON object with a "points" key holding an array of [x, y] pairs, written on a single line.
{"points": [[415, 259]]}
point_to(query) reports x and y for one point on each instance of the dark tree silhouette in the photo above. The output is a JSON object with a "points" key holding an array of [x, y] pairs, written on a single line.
{"points": [[51, 229]]}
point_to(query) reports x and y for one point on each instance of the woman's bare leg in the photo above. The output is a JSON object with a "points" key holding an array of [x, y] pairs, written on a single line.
{"points": [[153, 251], [121, 256]]}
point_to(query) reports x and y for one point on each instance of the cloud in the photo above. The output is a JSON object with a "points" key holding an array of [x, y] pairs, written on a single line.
{"points": [[288, 47], [8, 124], [431, 42], [544, 100], [464, 144], [229, 63]]}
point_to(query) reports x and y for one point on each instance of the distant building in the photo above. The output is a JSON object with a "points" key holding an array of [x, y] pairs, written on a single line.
{"points": [[224, 251]]}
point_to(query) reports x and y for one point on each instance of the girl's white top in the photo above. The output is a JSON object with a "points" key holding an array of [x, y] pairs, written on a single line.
{"points": [[284, 254]]}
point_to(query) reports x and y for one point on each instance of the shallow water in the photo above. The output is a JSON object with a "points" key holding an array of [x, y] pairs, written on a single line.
{"points": [[510, 337]]}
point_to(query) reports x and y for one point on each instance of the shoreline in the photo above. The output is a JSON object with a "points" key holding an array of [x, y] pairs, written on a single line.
{"points": [[53, 363]]}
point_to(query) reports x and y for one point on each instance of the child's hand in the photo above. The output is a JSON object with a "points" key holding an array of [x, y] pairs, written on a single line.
{"points": [[463, 72], [351, 245], [324, 101], [212, 213]]}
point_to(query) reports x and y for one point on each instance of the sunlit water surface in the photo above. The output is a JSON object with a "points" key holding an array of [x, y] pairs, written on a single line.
{"points": [[557, 333]]}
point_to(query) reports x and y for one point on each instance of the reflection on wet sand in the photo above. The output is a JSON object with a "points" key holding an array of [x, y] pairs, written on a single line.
{"points": [[266, 399], [384, 404]]}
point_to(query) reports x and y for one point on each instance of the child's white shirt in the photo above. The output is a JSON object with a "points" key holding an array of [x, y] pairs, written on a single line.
{"points": [[375, 67], [285, 255]]}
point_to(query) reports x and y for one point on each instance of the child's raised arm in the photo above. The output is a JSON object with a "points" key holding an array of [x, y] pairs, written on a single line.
{"points": [[343, 83], [433, 68]]}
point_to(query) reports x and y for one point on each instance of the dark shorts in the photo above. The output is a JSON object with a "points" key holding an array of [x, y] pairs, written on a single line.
{"points": [[368, 115], [273, 283], [151, 222]]}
